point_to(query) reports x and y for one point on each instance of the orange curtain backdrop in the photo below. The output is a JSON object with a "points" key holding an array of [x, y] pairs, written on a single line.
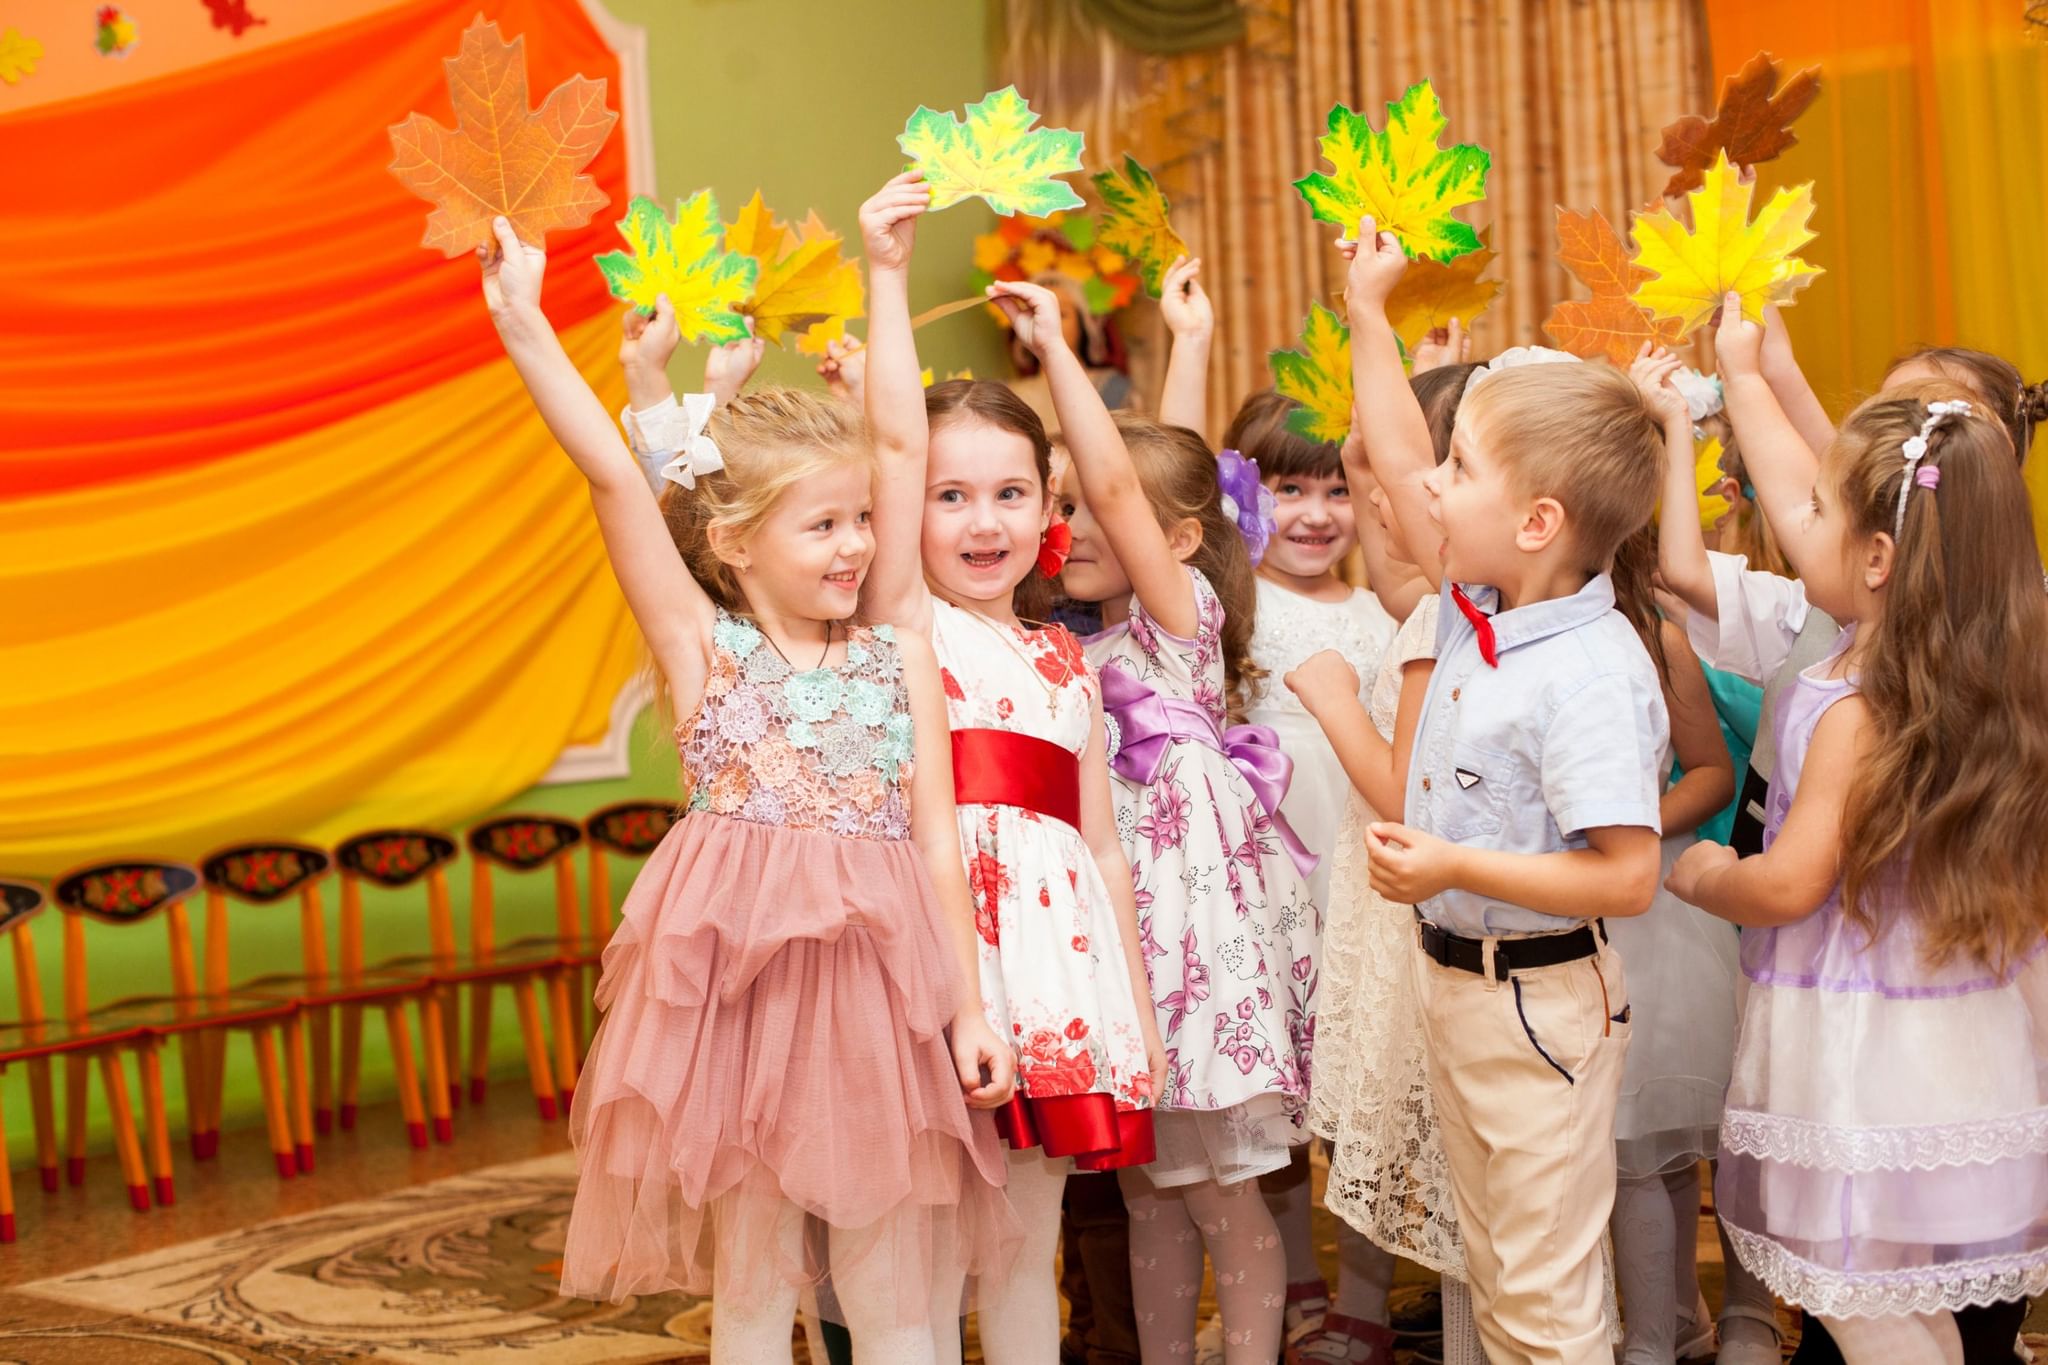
{"points": [[288, 551], [1567, 95]]}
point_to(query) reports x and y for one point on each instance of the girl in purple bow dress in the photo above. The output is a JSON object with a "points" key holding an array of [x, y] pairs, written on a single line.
{"points": [[1226, 921]]}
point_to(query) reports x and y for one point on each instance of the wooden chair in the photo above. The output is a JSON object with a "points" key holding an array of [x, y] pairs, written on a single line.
{"points": [[267, 873], [130, 892], [630, 829], [35, 1039]]}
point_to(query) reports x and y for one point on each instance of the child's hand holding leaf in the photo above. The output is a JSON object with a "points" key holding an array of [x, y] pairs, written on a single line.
{"points": [[1377, 264], [1738, 343], [727, 368], [1183, 304], [512, 273], [648, 342], [1034, 314], [888, 221]]}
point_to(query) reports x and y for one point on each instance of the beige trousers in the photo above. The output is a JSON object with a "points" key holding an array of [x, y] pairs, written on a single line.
{"points": [[1525, 1074]]}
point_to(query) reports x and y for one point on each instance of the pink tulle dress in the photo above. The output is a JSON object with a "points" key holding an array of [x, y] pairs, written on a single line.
{"points": [[770, 1094]]}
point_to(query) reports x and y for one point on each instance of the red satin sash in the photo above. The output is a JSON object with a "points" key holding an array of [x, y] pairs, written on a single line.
{"points": [[1088, 1128], [1002, 768]]}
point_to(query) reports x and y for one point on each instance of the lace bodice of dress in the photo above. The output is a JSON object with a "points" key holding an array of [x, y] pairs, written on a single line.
{"points": [[1290, 627]]}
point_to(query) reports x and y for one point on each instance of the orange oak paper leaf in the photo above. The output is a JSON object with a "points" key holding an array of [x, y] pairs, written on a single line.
{"points": [[1610, 323], [1750, 124], [503, 158], [1431, 293]]}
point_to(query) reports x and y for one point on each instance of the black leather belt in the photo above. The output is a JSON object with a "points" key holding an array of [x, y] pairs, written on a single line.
{"points": [[1509, 954]]}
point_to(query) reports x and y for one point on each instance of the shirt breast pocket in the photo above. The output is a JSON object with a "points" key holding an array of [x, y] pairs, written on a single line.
{"points": [[1471, 798]]}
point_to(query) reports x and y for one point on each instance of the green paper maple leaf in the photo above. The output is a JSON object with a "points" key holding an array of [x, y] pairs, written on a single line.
{"points": [[1135, 222], [685, 260], [1318, 377], [1401, 177], [995, 154]]}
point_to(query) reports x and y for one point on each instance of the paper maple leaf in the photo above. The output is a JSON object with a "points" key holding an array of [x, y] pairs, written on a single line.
{"points": [[1135, 223], [1318, 376], [1610, 323], [1401, 177], [115, 35], [1749, 126], [502, 157], [802, 281], [684, 260], [995, 154], [18, 56], [234, 16], [1726, 252], [1431, 293]]}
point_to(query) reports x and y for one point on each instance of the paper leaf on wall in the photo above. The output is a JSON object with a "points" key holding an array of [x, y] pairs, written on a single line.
{"points": [[233, 15], [1401, 177], [1135, 223], [686, 261], [802, 281], [1750, 125], [1431, 293], [18, 56], [1609, 324], [995, 154], [1317, 376], [501, 157], [114, 35], [1725, 251]]}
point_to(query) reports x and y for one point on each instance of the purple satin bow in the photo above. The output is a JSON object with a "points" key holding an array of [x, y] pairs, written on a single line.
{"points": [[1148, 725]]}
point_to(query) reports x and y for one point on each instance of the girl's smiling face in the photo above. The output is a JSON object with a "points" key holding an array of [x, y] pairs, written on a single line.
{"points": [[984, 511], [1315, 525]]}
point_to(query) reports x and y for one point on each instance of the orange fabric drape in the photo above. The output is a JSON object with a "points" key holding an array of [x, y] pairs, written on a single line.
{"points": [[1568, 96]]}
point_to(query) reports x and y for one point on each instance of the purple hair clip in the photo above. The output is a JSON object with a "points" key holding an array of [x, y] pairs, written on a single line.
{"points": [[1246, 501]]}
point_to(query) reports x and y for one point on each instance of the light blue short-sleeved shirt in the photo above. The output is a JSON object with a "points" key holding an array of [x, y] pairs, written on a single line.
{"points": [[1568, 734]]}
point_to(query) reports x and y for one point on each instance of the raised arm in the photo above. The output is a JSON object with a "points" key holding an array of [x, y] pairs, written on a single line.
{"points": [[1706, 780], [1681, 548], [1109, 480], [1780, 464], [1396, 433], [1796, 396], [1397, 583], [672, 610], [893, 392], [1184, 400]]}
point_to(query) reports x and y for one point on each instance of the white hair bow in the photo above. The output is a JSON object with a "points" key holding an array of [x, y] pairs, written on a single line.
{"points": [[1514, 357], [697, 453], [1702, 392]]}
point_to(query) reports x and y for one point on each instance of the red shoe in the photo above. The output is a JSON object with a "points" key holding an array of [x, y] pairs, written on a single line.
{"points": [[1341, 1340]]}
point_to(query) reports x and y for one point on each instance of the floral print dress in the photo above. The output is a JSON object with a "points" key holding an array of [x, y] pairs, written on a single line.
{"points": [[1226, 923]]}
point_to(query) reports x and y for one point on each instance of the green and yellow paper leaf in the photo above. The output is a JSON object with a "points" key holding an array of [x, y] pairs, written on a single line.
{"points": [[995, 154], [1725, 251], [802, 281], [1401, 176], [1135, 223], [1318, 376], [1431, 293], [19, 56], [684, 260]]}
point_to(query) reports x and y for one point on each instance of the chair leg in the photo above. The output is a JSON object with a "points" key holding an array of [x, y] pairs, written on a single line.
{"points": [[273, 1101], [296, 1093], [46, 1120], [125, 1143], [408, 1074], [321, 1038], [479, 1038], [6, 1189], [564, 1019], [450, 1001], [74, 1119], [351, 1063], [192, 1068], [536, 1047], [434, 1040], [213, 1070], [156, 1122]]}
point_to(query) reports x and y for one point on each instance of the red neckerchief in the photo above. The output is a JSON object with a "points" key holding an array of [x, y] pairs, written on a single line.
{"points": [[1481, 622]]}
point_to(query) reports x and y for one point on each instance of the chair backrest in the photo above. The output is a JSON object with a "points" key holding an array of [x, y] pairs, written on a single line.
{"points": [[521, 843], [631, 829], [394, 858], [125, 892], [264, 873], [21, 902]]}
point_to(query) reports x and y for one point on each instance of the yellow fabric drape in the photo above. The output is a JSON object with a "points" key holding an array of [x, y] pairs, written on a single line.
{"points": [[1568, 96], [301, 640]]}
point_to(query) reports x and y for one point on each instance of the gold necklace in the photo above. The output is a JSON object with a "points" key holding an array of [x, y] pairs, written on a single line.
{"points": [[1008, 637]]}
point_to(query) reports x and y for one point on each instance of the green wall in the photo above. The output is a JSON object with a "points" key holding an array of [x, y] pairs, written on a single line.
{"points": [[802, 100]]}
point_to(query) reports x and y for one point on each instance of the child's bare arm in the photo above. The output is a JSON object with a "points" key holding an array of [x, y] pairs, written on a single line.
{"points": [[1377, 767], [1795, 395], [1098, 831], [1681, 548], [1396, 433], [893, 393], [1780, 464], [1615, 876], [1706, 780], [1184, 400]]}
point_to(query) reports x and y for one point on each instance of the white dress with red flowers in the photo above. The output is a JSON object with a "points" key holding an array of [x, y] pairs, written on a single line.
{"points": [[1053, 972], [1226, 923]]}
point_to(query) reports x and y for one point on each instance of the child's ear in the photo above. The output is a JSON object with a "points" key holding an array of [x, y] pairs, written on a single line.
{"points": [[1880, 554], [1542, 525], [1184, 537], [730, 550]]}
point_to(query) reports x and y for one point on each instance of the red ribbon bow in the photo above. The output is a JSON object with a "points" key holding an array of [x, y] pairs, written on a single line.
{"points": [[1481, 622]]}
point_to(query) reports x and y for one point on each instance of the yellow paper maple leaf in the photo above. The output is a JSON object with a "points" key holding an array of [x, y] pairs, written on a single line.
{"points": [[1725, 251], [1402, 177], [1135, 223], [1318, 376], [1431, 293], [18, 56], [995, 153], [802, 283], [683, 260]]}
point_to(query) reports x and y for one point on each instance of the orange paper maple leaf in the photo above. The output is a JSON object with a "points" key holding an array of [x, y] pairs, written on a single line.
{"points": [[1610, 323], [503, 158], [1750, 124]]}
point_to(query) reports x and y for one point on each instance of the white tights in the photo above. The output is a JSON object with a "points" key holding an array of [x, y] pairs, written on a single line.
{"points": [[1170, 1228], [1364, 1272], [1656, 1236], [1461, 1331], [1020, 1317], [1919, 1339]]}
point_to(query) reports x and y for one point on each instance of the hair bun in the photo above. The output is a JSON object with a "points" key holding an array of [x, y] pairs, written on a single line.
{"points": [[2034, 401]]}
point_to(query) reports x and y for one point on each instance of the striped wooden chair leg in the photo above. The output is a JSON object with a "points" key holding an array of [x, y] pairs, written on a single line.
{"points": [[156, 1122], [6, 1189], [536, 1047], [297, 1094], [41, 1102], [433, 1040], [479, 1039], [273, 1101], [564, 1019], [320, 1036], [408, 1074], [75, 1072], [125, 1143], [351, 1064]]}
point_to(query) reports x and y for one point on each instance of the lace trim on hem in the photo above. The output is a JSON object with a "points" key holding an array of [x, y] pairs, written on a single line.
{"points": [[1921, 1289], [1855, 1151]]}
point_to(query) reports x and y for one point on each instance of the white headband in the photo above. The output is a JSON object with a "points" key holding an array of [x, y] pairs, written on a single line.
{"points": [[1915, 450], [1515, 357]]}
